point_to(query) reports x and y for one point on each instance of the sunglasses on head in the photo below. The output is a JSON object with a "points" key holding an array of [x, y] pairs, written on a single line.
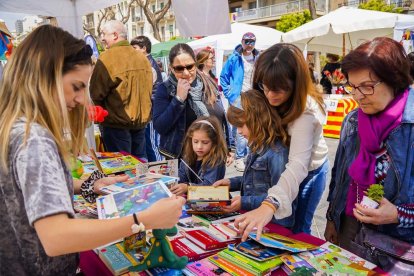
{"points": [[180, 69], [249, 41]]}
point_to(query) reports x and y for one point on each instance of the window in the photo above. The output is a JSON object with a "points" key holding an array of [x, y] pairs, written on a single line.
{"points": [[171, 29], [134, 31], [142, 30], [161, 5], [252, 5], [153, 8], [235, 9]]}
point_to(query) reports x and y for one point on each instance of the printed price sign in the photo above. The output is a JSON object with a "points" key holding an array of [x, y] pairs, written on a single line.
{"points": [[331, 105]]}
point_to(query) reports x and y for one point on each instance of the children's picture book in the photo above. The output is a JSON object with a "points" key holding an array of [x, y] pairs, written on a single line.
{"points": [[163, 271], [256, 251], [84, 208], [112, 165], [139, 180], [165, 167], [207, 199], [126, 203], [119, 261], [207, 240], [295, 264], [186, 224], [282, 242], [226, 228], [206, 268], [350, 256], [229, 267]]}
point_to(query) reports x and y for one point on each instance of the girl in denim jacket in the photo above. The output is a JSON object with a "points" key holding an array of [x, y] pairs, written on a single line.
{"points": [[204, 155], [257, 121]]}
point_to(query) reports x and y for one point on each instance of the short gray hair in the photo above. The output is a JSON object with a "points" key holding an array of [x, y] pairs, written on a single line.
{"points": [[116, 26]]}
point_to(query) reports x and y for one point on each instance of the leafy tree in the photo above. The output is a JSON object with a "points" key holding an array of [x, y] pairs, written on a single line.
{"points": [[380, 5], [291, 21]]}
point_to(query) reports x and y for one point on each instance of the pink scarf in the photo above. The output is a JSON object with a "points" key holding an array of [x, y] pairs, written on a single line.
{"points": [[372, 131]]}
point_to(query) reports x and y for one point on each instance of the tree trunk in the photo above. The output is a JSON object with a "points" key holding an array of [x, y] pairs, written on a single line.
{"points": [[312, 9]]}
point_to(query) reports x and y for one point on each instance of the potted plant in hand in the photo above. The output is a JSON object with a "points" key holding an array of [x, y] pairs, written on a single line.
{"points": [[373, 196]]}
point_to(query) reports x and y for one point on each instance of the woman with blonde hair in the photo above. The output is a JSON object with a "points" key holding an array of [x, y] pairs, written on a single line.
{"points": [[282, 75], [206, 62], [42, 123]]}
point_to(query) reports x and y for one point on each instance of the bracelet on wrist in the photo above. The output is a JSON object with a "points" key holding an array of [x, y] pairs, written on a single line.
{"points": [[266, 203], [87, 186]]}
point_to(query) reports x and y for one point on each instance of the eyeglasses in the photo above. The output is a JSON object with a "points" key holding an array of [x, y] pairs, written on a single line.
{"points": [[266, 90], [180, 69], [363, 89], [249, 41]]}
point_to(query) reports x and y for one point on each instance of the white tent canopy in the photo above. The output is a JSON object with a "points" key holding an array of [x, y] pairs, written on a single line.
{"points": [[327, 32], [67, 12], [265, 37]]}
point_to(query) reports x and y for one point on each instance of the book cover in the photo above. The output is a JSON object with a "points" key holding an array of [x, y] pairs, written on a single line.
{"points": [[282, 242], [206, 268], [333, 263], [256, 251], [186, 224], [139, 180], [112, 165], [255, 267], [207, 240], [165, 167], [350, 256], [117, 260], [126, 203], [296, 264], [207, 199], [207, 219], [184, 247], [229, 267]]}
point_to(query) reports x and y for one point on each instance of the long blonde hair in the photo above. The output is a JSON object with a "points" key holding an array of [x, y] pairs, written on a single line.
{"points": [[32, 88]]}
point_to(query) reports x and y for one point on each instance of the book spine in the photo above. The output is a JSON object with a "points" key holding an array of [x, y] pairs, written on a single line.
{"points": [[216, 229], [242, 264], [229, 267]]}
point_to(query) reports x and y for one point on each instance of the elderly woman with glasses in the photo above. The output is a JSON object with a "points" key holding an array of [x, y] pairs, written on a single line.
{"points": [[187, 95], [376, 146]]}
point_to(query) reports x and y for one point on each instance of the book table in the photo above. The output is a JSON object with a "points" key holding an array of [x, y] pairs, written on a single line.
{"points": [[92, 265]]}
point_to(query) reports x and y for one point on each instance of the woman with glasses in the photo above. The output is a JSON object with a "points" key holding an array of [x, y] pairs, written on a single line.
{"points": [[187, 95], [376, 146], [282, 74], [206, 62]]}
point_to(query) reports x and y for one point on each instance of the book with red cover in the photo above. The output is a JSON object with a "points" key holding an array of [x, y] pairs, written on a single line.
{"points": [[207, 240], [184, 247]]}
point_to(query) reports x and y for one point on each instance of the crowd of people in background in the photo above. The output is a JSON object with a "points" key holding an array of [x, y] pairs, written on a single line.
{"points": [[274, 126]]}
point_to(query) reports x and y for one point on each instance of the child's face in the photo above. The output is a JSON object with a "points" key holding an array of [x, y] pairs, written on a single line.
{"points": [[244, 131], [201, 144]]}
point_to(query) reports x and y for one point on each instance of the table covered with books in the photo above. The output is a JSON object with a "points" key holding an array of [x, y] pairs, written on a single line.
{"points": [[209, 239]]}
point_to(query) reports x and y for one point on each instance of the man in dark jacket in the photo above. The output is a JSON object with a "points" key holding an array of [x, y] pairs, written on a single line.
{"points": [[152, 138], [122, 84]]}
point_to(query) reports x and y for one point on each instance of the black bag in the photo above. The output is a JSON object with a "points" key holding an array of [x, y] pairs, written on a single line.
{"points": [[390, 254]]}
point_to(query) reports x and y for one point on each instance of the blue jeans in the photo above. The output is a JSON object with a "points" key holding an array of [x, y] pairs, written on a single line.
{"points": [[128, 140], [310, 193], [241, 144], [152, 142]]}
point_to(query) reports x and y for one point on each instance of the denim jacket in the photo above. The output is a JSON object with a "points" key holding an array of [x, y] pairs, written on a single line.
{"points": [[262, 171], [208, 176], [399, 183]]}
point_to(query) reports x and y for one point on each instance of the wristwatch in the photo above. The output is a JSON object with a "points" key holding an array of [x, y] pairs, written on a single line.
{"points": [[137, 226]]}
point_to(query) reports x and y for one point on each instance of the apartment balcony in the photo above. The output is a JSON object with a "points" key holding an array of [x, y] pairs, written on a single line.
{"points": [[90, 25], [405, 4], [273, 12]]}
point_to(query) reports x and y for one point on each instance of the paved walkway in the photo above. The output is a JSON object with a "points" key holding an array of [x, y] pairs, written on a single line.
{"points": [[319, 220]]}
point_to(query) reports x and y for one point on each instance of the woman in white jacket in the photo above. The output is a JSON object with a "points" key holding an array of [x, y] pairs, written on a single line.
{"points": [[282, 74]]}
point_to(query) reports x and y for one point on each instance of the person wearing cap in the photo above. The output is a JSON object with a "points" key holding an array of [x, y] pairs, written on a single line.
{"points": [[235, 78]]}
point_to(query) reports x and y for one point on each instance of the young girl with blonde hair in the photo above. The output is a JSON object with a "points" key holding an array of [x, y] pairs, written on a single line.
{"points": [[204, 155]]}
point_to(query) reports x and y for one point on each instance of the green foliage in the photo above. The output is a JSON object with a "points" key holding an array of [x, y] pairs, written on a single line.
{"points": [[380, 5], [291, 21], [375, 192]]}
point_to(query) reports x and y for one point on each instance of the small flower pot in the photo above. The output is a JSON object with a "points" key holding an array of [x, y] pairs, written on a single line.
{"points": [[369, 203]]}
